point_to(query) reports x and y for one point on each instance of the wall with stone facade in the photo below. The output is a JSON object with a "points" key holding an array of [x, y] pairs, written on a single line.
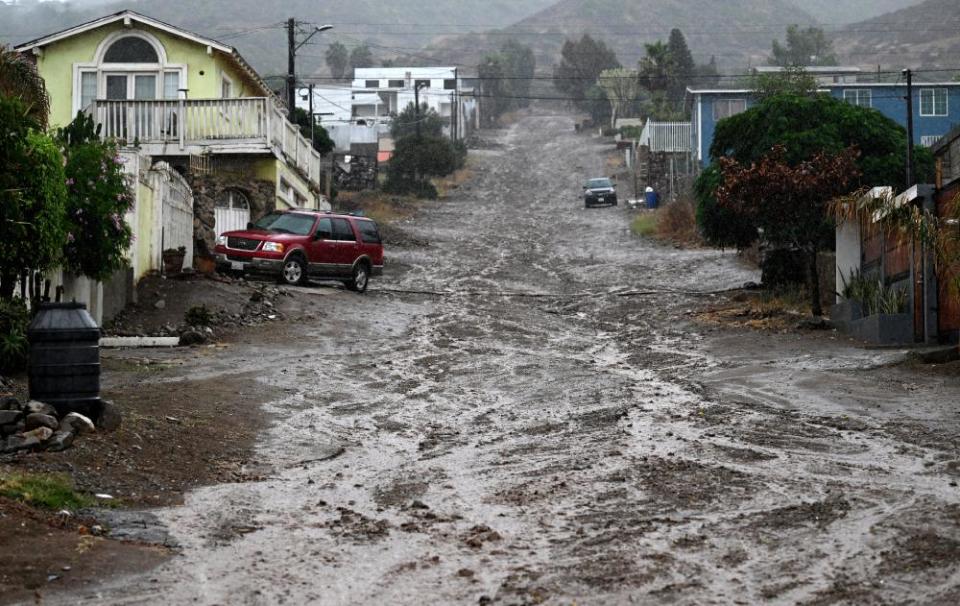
{"points": [[207, 189]]}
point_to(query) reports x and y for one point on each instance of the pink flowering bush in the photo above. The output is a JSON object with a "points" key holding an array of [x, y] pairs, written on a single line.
{"points": [[98, 196]]}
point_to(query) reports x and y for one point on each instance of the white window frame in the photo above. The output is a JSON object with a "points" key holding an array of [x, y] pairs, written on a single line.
{"points": [[933, 101], [226, 80], [728, 102], [101, 68], [855, 96]]}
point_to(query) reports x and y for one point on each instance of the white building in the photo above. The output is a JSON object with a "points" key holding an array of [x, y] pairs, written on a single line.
{"points": [[440, 88]]}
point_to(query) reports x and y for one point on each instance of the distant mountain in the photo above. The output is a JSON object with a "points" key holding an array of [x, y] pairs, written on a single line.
{"points": [[736, 32], [926, 35], [832, 13], [254, 26]]}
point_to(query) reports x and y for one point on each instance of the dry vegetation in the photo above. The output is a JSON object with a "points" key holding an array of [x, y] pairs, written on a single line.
{"points": [[675, 222], [760, 310]]}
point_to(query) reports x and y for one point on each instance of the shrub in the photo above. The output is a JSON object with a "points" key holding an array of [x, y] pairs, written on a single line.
{"points": [[32, 197], [14, 320], [677, 222], [198, 315], [98, 197]]}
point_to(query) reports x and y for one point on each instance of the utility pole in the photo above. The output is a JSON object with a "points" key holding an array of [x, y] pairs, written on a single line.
{"points": [[291, 65], [454, 107], [313, 119], [909, 74], [292, 48], [416, 107]]}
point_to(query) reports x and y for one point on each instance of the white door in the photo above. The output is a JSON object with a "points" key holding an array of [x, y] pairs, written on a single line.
{"points": [[135, 119], [231, 213]]}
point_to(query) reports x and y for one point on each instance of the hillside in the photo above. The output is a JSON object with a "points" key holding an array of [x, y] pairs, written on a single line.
{"points": [[927, 35], [391, 27], [736, 32], [832, 13]]}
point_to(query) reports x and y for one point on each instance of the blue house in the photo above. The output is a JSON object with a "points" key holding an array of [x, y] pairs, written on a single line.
{"points": [[936, 108]]}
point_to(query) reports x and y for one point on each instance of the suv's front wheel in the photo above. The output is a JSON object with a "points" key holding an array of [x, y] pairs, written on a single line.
{"points": [[294, 271], [360, 279]]}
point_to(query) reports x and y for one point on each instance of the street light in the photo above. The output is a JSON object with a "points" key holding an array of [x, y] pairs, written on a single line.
{"points": [[292, 48]]}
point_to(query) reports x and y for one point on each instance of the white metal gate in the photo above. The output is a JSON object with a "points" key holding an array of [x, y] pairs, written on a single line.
{"points": [[232, 212], [176, 202]]}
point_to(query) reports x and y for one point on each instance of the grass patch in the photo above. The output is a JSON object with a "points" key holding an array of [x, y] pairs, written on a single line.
{"points": [[50, 491], [451, 182], [382, 208], [644, 224]]}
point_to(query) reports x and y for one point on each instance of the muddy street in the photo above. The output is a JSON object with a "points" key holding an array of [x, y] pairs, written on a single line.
{"points": [[523, 411]]}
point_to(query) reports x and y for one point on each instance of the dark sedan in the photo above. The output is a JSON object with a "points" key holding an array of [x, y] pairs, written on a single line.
{"points": [[599, 192]]}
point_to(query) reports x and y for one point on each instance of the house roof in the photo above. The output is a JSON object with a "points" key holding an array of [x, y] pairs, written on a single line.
{"points": [[825, 87], [129, 17]]}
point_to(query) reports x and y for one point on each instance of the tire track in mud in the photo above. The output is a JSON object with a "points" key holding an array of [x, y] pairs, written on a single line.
{"points": [[595, 450]]}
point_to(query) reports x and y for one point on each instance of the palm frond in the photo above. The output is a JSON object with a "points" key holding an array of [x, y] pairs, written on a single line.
{"points": [[19, 79]]}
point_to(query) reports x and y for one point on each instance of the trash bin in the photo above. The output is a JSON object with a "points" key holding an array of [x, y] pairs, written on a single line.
{"points": [[64, 366], [652, 198]]}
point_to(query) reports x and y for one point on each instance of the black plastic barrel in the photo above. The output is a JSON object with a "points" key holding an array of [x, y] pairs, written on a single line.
{"points": [[65, 358]]}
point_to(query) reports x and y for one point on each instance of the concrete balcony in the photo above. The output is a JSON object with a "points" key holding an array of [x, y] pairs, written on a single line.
{"points": [[252, 125]]}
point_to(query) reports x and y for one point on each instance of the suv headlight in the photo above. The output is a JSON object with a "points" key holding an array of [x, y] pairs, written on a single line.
{"points": [[221, 240], [274, 247]]}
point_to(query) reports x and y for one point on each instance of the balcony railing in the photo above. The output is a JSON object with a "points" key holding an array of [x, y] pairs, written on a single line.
{"points": [[224, 123]]}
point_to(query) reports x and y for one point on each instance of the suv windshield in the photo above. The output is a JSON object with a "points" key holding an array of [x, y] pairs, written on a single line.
{"points": [[287, 223], [599, 184]]}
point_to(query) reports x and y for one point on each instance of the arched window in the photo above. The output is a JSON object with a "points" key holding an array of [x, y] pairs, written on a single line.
{"points": [[233, 199], [131, 49]]}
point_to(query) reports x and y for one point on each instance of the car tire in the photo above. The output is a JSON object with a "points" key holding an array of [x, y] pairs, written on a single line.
{"points": [[360, 280], [294, 271]]}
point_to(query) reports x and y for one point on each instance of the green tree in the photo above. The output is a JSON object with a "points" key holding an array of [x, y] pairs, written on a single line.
{"points": [[707, 74], [98, 197], [791, 81], [361, 56], [805, 126], [495, 93], [321, 138], [683, 67], [20, 80], [581, 63], [622, 87], [338, 60], [808, 46], [32, 197], [789, 201], [416, 160], [506, 77], [405, 123], [519, 65]]}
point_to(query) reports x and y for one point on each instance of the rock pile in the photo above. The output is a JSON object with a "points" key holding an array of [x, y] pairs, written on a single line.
{"points": [[37, 426]]}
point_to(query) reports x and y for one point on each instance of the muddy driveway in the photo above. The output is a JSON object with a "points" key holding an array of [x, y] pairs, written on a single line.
{"points": [[522, 413]]}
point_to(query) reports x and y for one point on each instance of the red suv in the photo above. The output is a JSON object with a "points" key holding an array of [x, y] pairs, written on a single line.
{"points": [[298, 244]]}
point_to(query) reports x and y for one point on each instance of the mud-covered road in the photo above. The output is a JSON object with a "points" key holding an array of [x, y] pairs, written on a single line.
{"points": [[548, 426]]}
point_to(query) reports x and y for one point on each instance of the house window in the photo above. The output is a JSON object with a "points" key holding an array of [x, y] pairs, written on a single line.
{"points": [[396, 84], [233, 199], [171, 85], [724, 108], [372, 84], [88, 88], [859, 97], [450, 84], [933, 102], [226, 88], [131, 49], [422, 84]]}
